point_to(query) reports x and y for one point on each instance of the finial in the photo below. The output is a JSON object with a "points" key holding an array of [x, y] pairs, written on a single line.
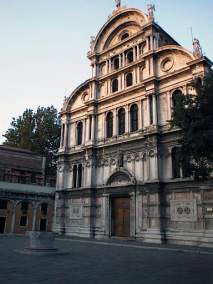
{"points": [[197, 50], [151, 10], [118, 3]]}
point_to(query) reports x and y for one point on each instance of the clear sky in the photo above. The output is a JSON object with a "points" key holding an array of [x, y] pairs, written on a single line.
{"points": [[43, 45]]}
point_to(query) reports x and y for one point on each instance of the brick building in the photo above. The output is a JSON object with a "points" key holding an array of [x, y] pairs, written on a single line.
{"points": [[25, 203]]}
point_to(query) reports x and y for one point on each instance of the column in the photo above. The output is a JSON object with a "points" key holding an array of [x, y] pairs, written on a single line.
{"points": [[135, 81], [34, 218], [120, 60], [134, 54], [156, 166], [132, 214], [140, 115], [93, 128], [90, 90], [65, 135], [115, 123], [106, 215], [124, 61], [154, 101], [152, 67], [138, 75], [169, 106], [120, 82], [123, 80], [84, 131], [68, 134], [148, 110], [62, 135], [95, 70], [151, 42], [87, 128], [138, 52], [13, 221], [110, 65], [127, 120], [108, 87], [148, 43], [93, 89]]}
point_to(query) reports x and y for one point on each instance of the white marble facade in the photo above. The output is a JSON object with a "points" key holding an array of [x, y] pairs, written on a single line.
{"points": [[135, 65]]}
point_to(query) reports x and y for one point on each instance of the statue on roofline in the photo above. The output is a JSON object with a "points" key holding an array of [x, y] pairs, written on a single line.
{"points": [[151, 10], [92, 42], [118, 3], [197, 50]]}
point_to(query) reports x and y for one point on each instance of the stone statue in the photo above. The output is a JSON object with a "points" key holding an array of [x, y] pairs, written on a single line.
{"points": [[120, 161], [118, 3], [92, 42], [151, 10], [197, 50], [65, 99]]}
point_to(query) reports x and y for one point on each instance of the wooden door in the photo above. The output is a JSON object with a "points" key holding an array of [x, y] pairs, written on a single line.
{"points": [[121, 217]]}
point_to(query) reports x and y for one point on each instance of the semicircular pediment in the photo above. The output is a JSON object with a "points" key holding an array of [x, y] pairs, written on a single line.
{"points": [[133, 18], [115, 37], [121, 178]]}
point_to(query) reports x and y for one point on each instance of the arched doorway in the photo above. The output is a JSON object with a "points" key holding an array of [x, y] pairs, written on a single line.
{"points": [[120, 204]]}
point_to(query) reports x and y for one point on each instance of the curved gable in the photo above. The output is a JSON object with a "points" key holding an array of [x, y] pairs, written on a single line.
{"points": [[172, 58], [131, 20], [78, 97]]}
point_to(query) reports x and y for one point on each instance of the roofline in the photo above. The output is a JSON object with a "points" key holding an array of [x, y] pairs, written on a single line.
{"points": [[19, 150]]}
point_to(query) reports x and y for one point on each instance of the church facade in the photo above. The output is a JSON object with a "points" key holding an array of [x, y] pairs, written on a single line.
{"points": [[118, 174]]}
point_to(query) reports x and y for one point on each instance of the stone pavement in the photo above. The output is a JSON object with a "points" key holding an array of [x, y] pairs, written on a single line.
{"points": [[112, 262]]}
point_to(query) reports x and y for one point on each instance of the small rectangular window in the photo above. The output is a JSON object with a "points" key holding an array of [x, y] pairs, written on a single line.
{"points": [[3, 204], [23, 221], [43, 225]]}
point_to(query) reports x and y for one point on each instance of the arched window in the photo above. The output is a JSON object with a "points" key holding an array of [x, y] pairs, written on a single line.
{"points": [[109, 125], [121, 121], [116, 63], [124, 36], [129, 80], [134, 117], [79, 133], [129, 56], [74, 181], [80, 175], [176, 165], [114, 85], [175, 96]]}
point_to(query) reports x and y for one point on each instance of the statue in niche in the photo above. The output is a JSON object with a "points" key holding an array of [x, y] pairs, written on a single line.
{"points": [[118, 3], [120, 160], [197, 50], [151, 10]]}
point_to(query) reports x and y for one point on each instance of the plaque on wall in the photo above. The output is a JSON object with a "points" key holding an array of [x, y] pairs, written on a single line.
{"points": [[76, 211], [183, 210]]}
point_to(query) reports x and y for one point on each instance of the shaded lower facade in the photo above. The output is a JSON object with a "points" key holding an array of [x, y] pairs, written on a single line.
{"points": [[177, 212]]}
